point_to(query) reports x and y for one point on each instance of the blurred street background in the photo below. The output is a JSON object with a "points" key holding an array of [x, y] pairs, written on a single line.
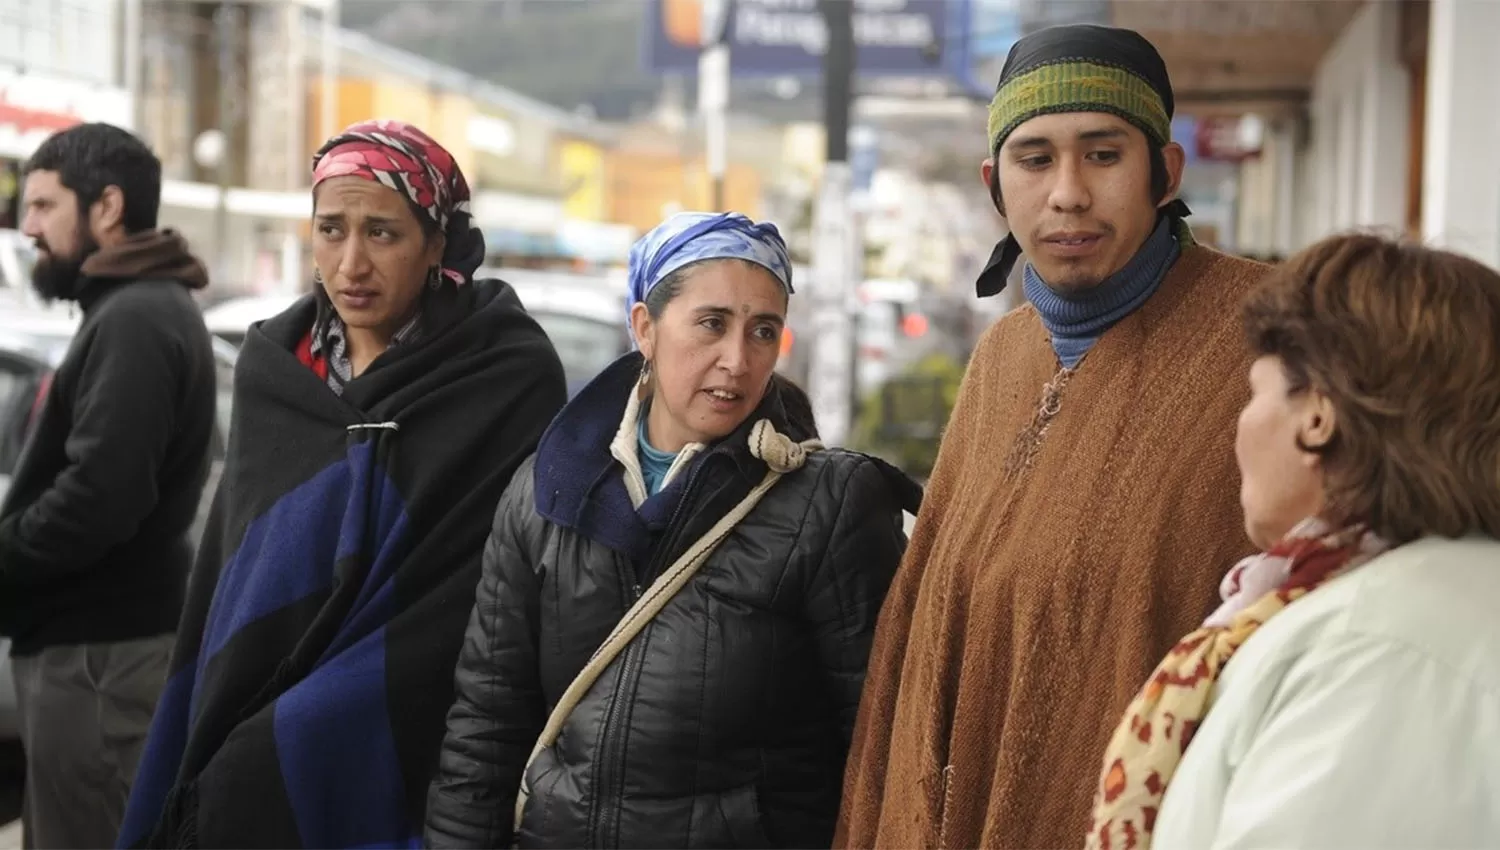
{"points": [[581, 123]]}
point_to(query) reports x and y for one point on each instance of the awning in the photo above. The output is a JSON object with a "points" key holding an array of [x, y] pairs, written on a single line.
{"points": [[520, 243], [291, 206], [1228, 57]]}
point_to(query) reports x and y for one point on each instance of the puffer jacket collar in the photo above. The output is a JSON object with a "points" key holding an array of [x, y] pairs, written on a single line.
{"points": [[580, 485]]}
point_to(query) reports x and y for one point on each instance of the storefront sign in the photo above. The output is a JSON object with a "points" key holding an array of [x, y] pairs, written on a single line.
{"points": [[512, 210], [789, 37], [1229, 139], [492, 135], [34, 106]]}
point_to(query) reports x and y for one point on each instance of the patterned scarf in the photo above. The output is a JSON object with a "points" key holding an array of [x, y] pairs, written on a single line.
{"points": [[328, 349], [691, 237], [406, 160], [1076, 320], [1147, 746]]}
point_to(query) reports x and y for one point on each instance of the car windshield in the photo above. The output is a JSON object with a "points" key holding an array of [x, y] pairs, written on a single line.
{"points": [[26, 260], [585, 346]]}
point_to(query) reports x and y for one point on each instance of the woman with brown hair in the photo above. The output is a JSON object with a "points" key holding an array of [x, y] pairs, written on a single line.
{"points": [[1362, 704]]}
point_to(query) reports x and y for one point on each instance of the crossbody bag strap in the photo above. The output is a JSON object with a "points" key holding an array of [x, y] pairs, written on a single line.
{"points": [[648, 606]]}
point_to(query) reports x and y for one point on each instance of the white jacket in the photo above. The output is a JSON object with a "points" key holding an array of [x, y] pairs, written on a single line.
{"points": [[1364, 715]]}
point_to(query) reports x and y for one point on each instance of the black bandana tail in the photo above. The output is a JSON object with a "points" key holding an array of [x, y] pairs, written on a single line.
{"points": [[996, 273]]}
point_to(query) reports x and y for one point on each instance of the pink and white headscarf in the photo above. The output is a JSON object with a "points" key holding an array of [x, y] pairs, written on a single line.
{"points": [[401, 157]]}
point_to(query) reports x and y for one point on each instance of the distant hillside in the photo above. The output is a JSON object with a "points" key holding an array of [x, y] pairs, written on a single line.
{"points": [[572, 53], [566, 52]]}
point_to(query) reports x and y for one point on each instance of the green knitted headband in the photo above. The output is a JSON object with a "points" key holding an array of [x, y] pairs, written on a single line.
{"points": [[1075, 85]]}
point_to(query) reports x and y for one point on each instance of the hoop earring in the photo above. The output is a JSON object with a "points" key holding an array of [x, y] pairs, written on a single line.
{"points": [[318, 276]]}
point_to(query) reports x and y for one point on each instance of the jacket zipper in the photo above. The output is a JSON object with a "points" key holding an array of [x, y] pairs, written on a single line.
{"points": [[606, 821]]}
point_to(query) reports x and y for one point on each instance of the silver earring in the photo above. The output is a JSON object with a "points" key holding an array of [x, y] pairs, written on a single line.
{"points": [[434, 277], [318, 276], [646, 374]]}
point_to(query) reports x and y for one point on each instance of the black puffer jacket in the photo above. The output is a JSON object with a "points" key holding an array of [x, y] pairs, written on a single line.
{"points": [[726, 722]]}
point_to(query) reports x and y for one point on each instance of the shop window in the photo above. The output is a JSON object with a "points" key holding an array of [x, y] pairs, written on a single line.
{"points": [[70, 38], [10, 195], [10, 31]]}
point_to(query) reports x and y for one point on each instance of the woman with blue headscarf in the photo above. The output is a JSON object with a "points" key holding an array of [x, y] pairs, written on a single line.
{"points": [[680, 588]]}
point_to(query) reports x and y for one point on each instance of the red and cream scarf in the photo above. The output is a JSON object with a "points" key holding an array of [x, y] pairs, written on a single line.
{"points": [[1147, 746]]}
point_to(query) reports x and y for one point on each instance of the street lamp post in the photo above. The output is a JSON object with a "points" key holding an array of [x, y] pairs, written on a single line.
{"points": [[330, 66], [130, 58], [210, 151], [211, 147]]}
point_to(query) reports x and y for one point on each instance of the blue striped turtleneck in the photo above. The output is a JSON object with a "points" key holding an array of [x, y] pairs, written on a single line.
{"points": [[655, 463], [1076, 320]]}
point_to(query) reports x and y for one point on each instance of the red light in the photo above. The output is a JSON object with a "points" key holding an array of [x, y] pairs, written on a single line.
{"points": [[914, 325], [786, 342]]}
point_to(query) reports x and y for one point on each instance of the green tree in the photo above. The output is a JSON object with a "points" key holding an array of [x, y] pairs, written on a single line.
{"points": [[904, 419]]}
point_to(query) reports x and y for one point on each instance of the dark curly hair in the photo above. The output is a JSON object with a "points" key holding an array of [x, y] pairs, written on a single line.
{"points": [[1404, 341], [90, 158]]}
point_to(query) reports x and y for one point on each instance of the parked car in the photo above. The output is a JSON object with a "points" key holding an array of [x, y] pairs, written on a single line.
{"points": [[17, 256], [229, 320], [33, 342], [583, 315]]}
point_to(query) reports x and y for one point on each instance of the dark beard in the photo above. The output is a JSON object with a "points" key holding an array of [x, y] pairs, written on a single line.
{"points": [[56, 277]]}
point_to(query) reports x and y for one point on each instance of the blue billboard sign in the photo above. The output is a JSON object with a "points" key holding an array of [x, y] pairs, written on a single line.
{"points": [[994, 26], [788, 37], [1185, 133]]}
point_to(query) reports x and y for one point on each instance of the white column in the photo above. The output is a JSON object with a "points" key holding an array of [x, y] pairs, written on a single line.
{"points": [[1384, 111], [1359, 114], [1256, 202], [291, 264], [1460, 171], [835, 276], [713, 97], [1346, 147], [1284, 240], [713, 105], [130, 58], [330, 100]]}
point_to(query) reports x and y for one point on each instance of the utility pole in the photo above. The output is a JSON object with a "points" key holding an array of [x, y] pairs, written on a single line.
{"points": [[713, 94], [231, 104], [130, 59], [836, 260], [329, 101]]}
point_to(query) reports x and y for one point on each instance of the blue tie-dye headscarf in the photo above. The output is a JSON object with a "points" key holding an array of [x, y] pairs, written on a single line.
{"points": [[688, 237]]}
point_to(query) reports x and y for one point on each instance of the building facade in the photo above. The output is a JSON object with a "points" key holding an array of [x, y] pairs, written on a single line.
{"points": [[1395, 135], [222, 92], [59, 65]]}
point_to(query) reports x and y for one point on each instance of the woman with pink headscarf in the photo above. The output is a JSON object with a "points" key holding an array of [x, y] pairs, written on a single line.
{"points": [[376, 423]]}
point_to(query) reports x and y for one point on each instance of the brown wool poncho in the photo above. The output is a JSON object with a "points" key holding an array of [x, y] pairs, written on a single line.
{"points": [[1056, 559]]}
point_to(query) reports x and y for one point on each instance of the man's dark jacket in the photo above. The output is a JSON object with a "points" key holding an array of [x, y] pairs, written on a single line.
{"points": [[94, 544]]}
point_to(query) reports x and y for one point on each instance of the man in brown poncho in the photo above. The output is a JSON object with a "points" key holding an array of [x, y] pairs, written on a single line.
{"points": [[1084, 507]]}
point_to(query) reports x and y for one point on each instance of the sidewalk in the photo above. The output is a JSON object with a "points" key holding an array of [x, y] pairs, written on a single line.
{"points": [[10, 835]]}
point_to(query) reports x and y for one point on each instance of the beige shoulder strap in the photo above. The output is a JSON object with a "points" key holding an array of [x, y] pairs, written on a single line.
{"points": [[782, 456]]}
